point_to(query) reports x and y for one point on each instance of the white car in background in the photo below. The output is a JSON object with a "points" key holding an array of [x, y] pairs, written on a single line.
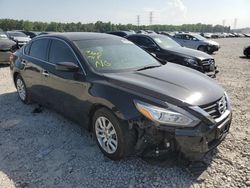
{"points": [[7, 46], [19, 37], [196, 41]]}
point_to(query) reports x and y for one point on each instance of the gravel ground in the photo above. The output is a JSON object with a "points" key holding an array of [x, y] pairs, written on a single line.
{"points": [[46, 150]]}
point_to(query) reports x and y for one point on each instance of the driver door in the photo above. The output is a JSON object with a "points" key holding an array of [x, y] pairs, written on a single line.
{"points": [[66, 92]]}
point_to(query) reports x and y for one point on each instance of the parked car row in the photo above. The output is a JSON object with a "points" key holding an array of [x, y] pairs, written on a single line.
{"points": [[224, 35], [131, 100], [167, 49]]}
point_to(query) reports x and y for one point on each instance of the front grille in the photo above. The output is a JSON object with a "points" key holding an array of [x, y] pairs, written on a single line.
{"points": [[207, 62], [217, 108]]}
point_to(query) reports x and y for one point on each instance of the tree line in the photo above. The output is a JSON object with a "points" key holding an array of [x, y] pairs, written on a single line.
{"points": [[11, 24]]}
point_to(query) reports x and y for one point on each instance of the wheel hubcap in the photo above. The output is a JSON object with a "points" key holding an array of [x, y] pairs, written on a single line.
{"points": [[21, 89], [106, 135]]}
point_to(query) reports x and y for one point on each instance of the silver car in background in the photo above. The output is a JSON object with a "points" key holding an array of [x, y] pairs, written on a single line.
{"points": [[196, 41], [7, 46], [18, 37]]}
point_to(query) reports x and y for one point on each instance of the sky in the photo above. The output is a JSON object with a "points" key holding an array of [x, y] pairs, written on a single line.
{"points": [[174, 12]]}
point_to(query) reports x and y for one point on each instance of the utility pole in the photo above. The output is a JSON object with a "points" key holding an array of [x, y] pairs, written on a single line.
{"points": [[223, 24], [235, 22], [151, 18], [138, 20]]}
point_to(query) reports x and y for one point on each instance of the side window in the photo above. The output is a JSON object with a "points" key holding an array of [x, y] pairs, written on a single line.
{"points": [[133, 39], [189, 37], [38, 49], [60, 52], [143, 41], [178, 36], [27, 48]]}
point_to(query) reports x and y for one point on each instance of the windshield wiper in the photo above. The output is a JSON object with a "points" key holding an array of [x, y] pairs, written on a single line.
{"points": [[148, 67]]}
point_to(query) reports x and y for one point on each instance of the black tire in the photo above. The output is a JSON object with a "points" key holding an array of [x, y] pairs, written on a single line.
{"points": [[126, 137], [202, 48], [26, 98]]}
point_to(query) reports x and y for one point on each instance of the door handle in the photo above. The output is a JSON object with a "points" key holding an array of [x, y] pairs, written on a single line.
{"points": [[45, 73]]}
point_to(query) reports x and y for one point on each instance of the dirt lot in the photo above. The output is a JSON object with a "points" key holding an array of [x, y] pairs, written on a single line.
{"points": [[46, 150]]}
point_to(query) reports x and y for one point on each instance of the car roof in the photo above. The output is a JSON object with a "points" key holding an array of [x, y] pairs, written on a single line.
{"points": [[14, 32], [145, 35], [74, 36]]}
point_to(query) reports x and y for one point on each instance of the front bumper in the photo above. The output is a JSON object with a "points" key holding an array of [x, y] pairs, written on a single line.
{"points": [[193, 142], [196, 143], [213, 48]]}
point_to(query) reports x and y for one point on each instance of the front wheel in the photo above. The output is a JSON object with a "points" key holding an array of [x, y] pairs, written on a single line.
{"points": [[22, 90], [113, 137], [202, 48]]}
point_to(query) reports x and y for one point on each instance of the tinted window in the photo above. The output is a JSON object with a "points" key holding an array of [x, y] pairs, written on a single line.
{"points": [[133, 39], [165, 42], [178, 37], [60, 52], [27, 49], [39, 49], [143, 41]]}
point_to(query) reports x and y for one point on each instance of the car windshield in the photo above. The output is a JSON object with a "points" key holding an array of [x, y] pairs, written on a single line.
{"points": [[112, 55], [17, 34], [165, 42], [199, 37]]}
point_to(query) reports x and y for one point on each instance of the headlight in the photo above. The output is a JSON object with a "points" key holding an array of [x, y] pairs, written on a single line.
{"points": [[191, 61], [172, 115]]}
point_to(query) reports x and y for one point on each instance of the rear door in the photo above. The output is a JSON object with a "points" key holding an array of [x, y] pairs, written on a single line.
{"points": [[34, 56], [66, 91]]}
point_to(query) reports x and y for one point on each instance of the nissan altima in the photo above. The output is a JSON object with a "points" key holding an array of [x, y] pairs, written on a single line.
{"points": [[129, 100]]}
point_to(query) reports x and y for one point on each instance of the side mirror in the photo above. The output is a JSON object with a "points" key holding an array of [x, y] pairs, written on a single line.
{"points": [[67, 67]]}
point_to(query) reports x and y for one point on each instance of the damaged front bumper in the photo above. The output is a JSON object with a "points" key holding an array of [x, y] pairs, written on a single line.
{"points": [[193, 143]]}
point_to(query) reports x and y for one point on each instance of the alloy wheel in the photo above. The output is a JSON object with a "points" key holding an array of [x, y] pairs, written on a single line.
{"points": [[106, 135], [21, 89]]}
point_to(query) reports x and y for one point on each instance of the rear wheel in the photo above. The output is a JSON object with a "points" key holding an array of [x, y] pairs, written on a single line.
{"points": [[113, 137], [22, 90]]}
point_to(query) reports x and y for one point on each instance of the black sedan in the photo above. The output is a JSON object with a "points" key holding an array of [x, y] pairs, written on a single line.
{"points": [[165, 48], [246, 51], [121, 33], [127, 98]]}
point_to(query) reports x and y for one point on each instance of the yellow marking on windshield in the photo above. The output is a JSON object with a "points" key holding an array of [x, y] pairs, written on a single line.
{"points": [[97, 58]]}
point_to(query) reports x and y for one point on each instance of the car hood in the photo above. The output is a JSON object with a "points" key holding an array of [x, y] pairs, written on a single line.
{"points": [[22, 39], [6, 44], [170, 82], [188, 52]]}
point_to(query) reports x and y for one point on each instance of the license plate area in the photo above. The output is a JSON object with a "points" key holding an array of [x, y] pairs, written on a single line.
{"points": [[222, 129], [212, 68]]}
